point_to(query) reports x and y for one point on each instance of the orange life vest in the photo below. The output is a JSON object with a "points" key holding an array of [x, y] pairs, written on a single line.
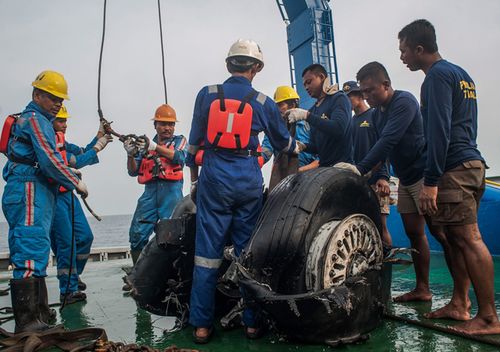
{"points": [[230, 121], [153, 166], [230, 126], [8, 125], [61, 148]]}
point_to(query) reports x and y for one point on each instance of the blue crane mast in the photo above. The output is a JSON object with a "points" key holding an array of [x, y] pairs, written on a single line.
{"points": [[310, 40]]}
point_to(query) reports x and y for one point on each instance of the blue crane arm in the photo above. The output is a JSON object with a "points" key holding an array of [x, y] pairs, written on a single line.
{"points": [[310, 40]]}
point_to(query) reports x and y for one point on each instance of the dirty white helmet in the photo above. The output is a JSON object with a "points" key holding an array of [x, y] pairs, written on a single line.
{"points": [[245, 48]]}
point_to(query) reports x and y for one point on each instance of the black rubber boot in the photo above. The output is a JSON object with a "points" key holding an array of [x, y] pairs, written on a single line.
{"points": [[25, 295], [82, 286], [73, 297], [47, 314]]}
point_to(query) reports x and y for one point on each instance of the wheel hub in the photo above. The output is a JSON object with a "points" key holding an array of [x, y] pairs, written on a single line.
{"points": [[343, 249]]}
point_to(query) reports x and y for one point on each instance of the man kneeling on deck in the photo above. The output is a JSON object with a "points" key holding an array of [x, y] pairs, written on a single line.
{"points": [[158, 165], [72, 249]]}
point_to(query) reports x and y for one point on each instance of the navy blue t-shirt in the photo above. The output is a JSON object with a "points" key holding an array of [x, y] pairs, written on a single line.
{"points": [[364, 137], [449, 110], [331, 135], [400, 127]]}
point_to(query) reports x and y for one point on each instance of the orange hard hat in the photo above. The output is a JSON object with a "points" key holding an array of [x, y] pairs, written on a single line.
{"points": [[165, 113]]}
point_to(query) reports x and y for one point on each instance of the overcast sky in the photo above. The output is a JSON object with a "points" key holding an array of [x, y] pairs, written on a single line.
{"points": [[65, 36]]}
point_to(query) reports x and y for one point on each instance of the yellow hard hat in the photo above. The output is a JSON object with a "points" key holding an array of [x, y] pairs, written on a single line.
{"points": [[63, 113], [285, 93], [52, 82], [165, 113]]}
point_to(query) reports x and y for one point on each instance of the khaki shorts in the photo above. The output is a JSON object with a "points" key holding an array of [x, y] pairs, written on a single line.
{"points": [[408, 198], [459, 192], [383, 202]]}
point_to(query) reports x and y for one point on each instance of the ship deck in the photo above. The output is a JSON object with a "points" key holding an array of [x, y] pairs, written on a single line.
{"points": [[108, 307]]}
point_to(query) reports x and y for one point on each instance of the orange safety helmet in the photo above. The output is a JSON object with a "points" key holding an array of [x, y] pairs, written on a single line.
{"points": [[165, 113]]}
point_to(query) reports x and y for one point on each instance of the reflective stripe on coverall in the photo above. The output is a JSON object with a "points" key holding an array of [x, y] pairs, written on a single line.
{"points": [[229, 196], [158, 200], [28, 198]]}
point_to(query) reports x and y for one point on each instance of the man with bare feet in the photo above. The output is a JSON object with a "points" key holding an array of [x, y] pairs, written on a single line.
{"points": [[454, 175], [398, 122]]}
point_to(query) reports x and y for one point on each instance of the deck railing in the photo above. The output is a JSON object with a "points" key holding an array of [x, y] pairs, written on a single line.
{"points": [[96, 255]]}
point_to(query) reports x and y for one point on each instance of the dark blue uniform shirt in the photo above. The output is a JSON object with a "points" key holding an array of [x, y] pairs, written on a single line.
{"points": [[449, 110], [331, 136], [364, 137], [400, 127]]}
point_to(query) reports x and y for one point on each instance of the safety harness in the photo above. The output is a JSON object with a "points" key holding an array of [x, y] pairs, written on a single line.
{"points": [[153, 166], [61, 148], [230, 126], [230, 121]]}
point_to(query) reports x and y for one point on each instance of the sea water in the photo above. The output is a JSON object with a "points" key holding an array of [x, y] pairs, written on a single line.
{"points": [[112, 231]]}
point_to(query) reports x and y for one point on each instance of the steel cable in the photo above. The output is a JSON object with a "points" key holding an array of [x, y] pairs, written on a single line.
{"points": [[162, 53], [99, 110]]}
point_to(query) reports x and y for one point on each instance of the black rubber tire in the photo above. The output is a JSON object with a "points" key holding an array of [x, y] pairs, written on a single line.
{"points": [[294, 211], [157, 267]]}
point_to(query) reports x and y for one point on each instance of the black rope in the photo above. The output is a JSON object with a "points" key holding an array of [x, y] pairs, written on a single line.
{"points": [[162, 54], [99, 110]]}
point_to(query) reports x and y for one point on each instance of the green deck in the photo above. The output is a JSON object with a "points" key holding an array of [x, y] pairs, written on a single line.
{"points": [[109, 308]]}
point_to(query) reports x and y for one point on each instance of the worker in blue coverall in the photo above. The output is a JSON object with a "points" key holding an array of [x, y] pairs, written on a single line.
{"points": [[329, 117], [29, 198], [163, 189], [454, 170], [70, 213], [286, 98], [364, 137], [229, 190]]}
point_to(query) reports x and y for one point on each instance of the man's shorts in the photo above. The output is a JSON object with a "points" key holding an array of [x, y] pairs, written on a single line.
{"points": [[408, 198], [459, 192], [383, 202]]}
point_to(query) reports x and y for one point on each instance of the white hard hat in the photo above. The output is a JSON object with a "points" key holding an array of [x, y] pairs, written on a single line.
{"points": [[246, 48]]}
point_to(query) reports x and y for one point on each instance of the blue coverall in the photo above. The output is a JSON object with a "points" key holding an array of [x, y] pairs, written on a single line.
{"points": [[158, 200], [302, 134], [61, 230], [28, 199], [229, 196]]}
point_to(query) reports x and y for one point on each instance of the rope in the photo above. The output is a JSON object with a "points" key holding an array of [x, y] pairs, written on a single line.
{"points": [[162, 54], [443, 329], [98, 218], [87, 339], [183, 309], [99, 110], [109, 346]]}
